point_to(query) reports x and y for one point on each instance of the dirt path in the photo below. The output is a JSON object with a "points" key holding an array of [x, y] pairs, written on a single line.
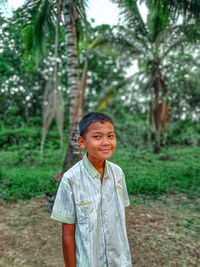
{"points": [[161, 233]]}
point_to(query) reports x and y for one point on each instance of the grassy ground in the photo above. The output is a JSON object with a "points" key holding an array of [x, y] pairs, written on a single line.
{"points": [[23, 175], [163, 232], [175, 169], [163, 222]]}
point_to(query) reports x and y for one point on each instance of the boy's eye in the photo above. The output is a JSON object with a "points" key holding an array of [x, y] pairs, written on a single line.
{"points": [[97, 136], [111, 136]]}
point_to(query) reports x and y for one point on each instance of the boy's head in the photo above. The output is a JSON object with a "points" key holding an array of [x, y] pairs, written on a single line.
{"points": [[97, 135], [90, 118]]}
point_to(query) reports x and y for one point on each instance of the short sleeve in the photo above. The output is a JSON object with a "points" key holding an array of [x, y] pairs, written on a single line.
{"points": [[125, 193], [64, 208]]}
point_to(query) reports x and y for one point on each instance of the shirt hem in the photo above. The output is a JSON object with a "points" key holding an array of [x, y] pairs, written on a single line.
{"points": [[126, 203], [62, 218]]}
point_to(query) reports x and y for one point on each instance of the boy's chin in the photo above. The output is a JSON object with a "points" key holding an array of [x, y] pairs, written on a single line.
{"points": [[100, 156], [107, 155]]}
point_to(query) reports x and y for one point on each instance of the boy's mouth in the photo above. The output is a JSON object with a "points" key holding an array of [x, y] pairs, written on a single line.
{"points": [[106, 150]]}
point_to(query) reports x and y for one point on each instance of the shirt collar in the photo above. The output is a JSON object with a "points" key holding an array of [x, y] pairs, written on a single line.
{"points": [[91, 169]]}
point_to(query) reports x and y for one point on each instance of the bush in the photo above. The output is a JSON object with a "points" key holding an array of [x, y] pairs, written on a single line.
{"points": [[29, 178], [173, 170], [28, 139], [24, 183], [183, 132], [12, 118]]}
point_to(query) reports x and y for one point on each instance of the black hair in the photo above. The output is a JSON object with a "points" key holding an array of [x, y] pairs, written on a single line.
{"points": [[88, 119]]}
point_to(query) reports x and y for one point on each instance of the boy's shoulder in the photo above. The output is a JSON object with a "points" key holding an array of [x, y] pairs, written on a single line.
{"points": [[74, 171], [114, 167]]}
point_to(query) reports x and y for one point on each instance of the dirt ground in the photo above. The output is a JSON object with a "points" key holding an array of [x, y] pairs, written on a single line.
{"points": [[161, 233]]}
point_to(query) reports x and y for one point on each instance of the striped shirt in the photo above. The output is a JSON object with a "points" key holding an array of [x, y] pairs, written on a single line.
{"points": [[98, 211]]}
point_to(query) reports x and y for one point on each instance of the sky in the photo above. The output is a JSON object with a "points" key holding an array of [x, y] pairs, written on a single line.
{"points": [[12, 5], [98, 9], [103, 11]]}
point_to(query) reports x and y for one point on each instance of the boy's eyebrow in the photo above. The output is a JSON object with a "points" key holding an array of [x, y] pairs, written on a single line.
{"points": [[98, 132]]}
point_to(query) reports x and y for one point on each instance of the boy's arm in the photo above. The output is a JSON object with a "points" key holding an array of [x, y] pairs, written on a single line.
{"points": [[68, 244]]}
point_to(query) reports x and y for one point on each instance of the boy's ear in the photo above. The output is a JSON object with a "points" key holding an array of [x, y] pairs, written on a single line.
{"points": [[81, 142]]}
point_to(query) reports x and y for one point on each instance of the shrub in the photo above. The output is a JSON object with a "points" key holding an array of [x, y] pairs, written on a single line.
{"points": [[28, 138], [183, 132]]}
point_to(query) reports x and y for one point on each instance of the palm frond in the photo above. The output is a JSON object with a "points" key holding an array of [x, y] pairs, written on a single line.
{"points": [[39, 30], [106, 97], [158, 20], [132, 16], [126, 42], [188, 8], [189, 34]]}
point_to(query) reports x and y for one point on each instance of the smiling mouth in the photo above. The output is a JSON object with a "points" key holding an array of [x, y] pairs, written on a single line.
{"points": [[106, 150]]}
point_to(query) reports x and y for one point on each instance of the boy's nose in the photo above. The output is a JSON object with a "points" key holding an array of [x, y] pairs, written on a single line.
{"points": [[105, 141]]}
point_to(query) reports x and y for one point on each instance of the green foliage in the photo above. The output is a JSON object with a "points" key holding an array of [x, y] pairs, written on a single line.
{"points": [[38, 32], [30, 178], [12, 118], [160, 44], [23, 183], [188, 8], [183, 132], [175, 170], [158, 20], [131, 130], [23, 139]]}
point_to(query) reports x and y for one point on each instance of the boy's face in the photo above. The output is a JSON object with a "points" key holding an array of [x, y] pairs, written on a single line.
{"points": [[99, 141]]}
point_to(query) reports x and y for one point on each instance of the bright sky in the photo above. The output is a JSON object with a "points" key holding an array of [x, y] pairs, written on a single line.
{"points": [[103, 11], [12, 5]]}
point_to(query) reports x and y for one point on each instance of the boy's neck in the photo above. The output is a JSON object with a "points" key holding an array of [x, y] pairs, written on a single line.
{"points": [[99, 165]]}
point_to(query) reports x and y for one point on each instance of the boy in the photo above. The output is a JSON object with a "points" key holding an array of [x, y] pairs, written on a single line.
{"points": [[91, 199]]}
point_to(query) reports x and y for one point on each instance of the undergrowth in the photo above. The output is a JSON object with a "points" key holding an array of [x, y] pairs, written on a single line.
{"points": [[23, 175]]}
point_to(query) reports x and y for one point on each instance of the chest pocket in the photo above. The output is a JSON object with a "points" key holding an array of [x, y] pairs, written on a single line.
{"points": [[84, 211]]}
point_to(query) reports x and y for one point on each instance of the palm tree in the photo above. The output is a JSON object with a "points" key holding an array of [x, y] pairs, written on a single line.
{"points": [[41, 21], [42, 18], [74, 152], [152, 42]]}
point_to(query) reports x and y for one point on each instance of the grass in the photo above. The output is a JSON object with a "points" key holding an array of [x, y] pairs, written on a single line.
{"points": [[23, 175], [176, 169]]}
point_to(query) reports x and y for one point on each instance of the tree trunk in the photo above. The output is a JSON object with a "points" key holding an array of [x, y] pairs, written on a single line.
{"points": [[157, 142], [74, 152]]}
